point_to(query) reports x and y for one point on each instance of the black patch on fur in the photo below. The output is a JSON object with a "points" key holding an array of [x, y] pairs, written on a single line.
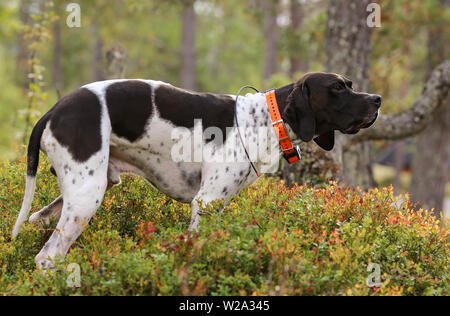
{"points": [[75, 123], [53, 171], [182, 107], [34, 144], [130, 107]]}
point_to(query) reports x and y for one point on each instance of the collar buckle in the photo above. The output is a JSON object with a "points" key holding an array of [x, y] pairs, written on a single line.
{"points": [[292, 155]]}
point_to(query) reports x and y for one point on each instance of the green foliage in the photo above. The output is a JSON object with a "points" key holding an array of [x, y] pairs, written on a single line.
{"points": [[269, 240]]}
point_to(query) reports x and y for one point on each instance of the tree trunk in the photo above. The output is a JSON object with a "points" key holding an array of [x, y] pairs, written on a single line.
{"points": [[431, 167], [23, 53], [348, 49], [270, 29], [97, 56], [57, 54], [399, 154], [296, 64], [188, 70]]}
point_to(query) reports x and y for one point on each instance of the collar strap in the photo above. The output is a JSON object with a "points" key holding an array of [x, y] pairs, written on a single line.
{"points": [[290, 153]]}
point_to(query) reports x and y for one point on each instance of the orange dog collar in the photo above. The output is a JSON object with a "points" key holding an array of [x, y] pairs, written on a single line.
{"points": [[290, 153]]}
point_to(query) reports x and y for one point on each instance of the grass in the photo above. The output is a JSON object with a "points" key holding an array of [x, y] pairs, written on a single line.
{"points": [[270, 240]]}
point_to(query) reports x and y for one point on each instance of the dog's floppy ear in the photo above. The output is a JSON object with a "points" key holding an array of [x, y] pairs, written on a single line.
{"points": [[326, 141], [299, 113]]}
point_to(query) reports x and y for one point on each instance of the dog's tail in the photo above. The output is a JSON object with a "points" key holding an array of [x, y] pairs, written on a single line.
{"points": [[34, 147]]}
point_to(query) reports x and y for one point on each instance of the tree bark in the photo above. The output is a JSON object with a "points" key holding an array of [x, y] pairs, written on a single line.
{"points": [[188, 70], [348, 49], [431, 167], [270, 29]]}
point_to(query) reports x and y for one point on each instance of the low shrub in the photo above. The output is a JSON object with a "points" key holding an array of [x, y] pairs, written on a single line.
{"points": [[270, 240]]}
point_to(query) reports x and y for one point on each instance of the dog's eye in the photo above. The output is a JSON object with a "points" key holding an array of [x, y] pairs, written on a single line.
{"points": [[338, 87]]}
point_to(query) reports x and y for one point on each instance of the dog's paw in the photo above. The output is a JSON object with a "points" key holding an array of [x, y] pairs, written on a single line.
{"points": [[39, 220], [45, 265]]}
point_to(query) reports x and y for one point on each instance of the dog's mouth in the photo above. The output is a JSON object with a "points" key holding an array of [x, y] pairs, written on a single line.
{"points": [[358, 125]]}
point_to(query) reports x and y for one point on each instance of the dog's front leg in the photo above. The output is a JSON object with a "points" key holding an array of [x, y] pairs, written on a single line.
{"points": [[203, 198], [218, 183], [195, 216]]}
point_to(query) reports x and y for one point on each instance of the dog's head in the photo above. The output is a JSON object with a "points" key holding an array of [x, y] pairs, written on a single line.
{"points": [[322, 103]]}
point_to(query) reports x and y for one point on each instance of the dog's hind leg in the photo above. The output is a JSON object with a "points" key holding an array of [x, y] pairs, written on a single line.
{"points": [[78, 208], [82, 196], [53, 210]]}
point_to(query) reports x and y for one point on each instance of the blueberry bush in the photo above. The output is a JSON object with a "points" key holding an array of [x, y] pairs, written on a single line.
{"points": [[270, 240]]}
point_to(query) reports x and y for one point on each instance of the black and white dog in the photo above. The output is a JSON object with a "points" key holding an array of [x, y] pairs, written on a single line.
{"points": [[107, 128]]}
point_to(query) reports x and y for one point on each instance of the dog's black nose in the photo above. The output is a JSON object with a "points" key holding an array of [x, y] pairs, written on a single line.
{"points": [[376, 100]]}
